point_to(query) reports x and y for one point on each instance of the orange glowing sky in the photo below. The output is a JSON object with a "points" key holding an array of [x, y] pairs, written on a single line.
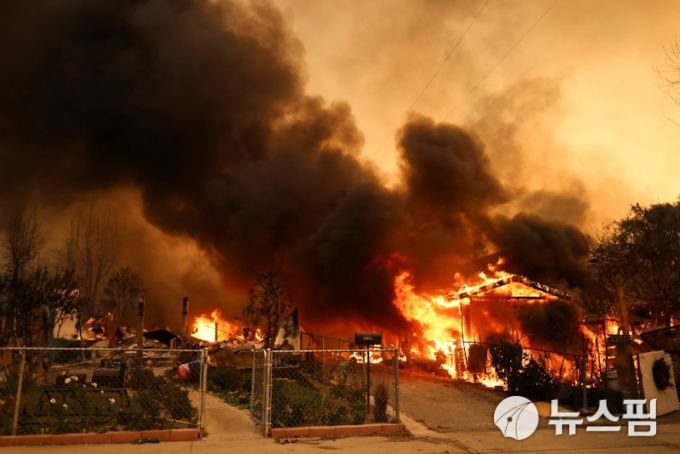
{"points": [[609, 122]]}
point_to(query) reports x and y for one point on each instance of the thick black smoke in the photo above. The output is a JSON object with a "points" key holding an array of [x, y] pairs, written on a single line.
{"points": [[452, 191], [446, 170], [201, 105], [549, 251], [448, 190], [543, 321]]}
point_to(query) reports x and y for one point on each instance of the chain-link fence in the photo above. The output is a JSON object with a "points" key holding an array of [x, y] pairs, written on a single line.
{"points": [[75, 390], [311, 341], [327, 387]]}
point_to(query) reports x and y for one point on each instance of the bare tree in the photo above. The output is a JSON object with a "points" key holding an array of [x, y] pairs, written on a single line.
{"points": [[268, 306], [46, 301], [121, 293], [20, 245], [21, 242], [671, 72], [91, 250]]}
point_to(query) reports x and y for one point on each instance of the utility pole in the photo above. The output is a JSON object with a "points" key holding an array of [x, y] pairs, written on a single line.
{"points": [[140, 325], [185, 321]]}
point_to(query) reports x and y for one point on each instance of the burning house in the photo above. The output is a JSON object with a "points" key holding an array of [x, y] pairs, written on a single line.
{"points": [[455, 327]]}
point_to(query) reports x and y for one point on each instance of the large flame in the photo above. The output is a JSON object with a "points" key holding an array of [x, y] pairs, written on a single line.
{"points": [[444, 331], [438, 317], [215, 328]]}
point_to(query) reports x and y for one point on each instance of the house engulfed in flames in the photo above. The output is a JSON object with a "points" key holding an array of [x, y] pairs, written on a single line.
{"points": [[455, 328]]}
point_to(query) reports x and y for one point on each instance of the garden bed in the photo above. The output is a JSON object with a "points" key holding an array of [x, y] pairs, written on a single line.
{"points": [[55, 403]]}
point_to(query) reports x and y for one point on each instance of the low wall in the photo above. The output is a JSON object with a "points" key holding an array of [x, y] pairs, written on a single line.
{"points": [[336, 431], [100, 438]]}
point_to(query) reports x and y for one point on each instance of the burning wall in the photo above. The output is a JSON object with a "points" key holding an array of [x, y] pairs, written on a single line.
{"points": [[202, 107]]}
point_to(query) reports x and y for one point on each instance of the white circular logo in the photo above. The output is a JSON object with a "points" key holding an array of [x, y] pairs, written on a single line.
{"points": [[516, 417]]}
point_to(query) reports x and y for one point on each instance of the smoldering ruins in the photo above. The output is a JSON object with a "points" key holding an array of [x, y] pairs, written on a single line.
{"points": [[201, 107]]}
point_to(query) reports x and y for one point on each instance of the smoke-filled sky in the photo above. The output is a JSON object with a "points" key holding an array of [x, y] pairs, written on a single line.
{"points": [[600, 112], [227, 136]]}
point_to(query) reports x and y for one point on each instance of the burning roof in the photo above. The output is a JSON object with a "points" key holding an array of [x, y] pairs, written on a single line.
{"points": [[492, 284]]}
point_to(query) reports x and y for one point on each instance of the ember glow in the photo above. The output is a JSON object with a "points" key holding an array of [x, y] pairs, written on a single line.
{"points": [[375, 357], [214, 327]]}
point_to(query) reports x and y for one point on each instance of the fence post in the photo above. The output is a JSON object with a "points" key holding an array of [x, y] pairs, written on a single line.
{"points": [[252, 381], [396, 385], [267, 382], [584, 389], [367, 366], [17, 405], [323, 351], [204, 390]]}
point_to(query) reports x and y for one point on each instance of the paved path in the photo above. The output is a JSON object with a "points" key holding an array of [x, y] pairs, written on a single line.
{"points": [[447, 406], [224, 422]]}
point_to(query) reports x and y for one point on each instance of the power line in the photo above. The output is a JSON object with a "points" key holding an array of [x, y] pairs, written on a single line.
{"points": [[448, 55], [506, 55], [439, 69]]}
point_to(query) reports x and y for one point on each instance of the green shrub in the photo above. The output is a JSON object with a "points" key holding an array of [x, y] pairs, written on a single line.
{"points": [[356, 394], [11, 382], [237, 399], [333, 414], [345, 369], [175, 400], [230, 384], [59, 420], [229, 379], [358, 413], [143, 413], [294, 404], [381, 397], [339, 391], [141, 378], [6, 415]]}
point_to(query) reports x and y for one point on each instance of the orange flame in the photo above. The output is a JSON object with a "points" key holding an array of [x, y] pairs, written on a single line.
{"points": [[214, 327], [443, 325]]}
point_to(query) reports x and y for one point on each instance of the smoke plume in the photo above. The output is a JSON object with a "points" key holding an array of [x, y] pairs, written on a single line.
{"points": [[201, 106]]}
